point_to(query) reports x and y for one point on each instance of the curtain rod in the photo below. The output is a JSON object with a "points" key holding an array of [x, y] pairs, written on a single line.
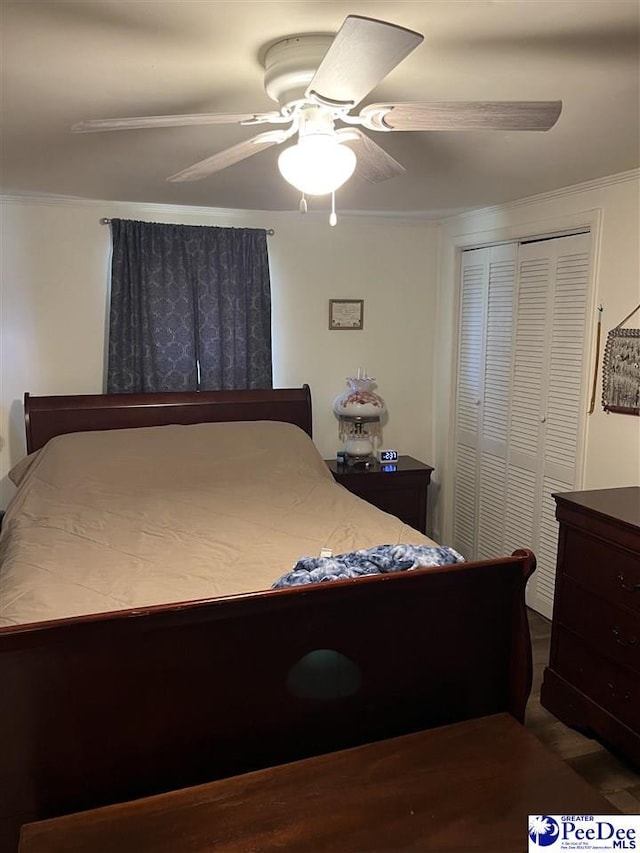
{"points": [[105, 221]]}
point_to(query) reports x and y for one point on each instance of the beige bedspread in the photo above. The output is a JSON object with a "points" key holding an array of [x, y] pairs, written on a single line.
{"points": [[109, 520]]}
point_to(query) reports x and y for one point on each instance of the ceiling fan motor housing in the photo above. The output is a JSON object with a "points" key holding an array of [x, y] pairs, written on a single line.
{"points": [[290, 65]]}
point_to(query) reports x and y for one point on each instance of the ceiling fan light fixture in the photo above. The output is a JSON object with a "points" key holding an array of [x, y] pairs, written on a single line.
{"points": [[318, 164]]}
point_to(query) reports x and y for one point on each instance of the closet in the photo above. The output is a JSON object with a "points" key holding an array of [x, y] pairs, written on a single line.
{"points": [[521, 398]]}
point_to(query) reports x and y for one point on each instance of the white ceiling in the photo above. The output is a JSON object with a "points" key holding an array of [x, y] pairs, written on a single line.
{"points": [[67, 61]]}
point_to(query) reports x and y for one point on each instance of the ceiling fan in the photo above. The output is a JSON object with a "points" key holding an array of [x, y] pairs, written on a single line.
{"points": [[317, 81]]}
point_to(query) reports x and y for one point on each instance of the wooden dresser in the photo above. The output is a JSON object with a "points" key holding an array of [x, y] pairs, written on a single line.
{"points": [[592, 682]]}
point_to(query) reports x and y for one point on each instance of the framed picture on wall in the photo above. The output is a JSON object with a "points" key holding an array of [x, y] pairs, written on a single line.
{"points": [[346, 314]]}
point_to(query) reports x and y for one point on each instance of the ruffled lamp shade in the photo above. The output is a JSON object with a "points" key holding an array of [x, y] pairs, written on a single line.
{"points": [[359, 410]]}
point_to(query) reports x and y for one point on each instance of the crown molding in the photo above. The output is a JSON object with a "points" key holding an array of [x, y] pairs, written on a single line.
{"points": [[142, 206], [574, 189], [111, 207]]}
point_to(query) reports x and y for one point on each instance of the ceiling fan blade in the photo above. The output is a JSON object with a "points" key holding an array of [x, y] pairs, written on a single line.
{"points": [[374, 164], [463, 115], [229, 156], [363, 52], [160, 121]]}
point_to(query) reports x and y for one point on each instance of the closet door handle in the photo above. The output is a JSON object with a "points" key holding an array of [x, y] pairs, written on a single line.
{"points": [[543, 419], [626, 696]]}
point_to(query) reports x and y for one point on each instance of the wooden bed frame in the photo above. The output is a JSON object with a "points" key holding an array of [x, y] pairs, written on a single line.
{"points": [[106, 708]]}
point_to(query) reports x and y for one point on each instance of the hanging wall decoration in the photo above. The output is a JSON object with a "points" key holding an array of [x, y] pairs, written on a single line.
{"points": [[621, 379]]}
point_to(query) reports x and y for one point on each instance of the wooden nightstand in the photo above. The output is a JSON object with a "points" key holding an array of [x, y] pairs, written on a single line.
{"points": [[400, 489]]}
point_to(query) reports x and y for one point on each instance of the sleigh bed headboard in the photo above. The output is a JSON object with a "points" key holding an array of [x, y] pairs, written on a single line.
{"points": [[46, 417]]}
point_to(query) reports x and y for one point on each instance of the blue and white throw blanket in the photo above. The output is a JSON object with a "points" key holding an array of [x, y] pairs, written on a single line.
{"points": [[382, 559]]}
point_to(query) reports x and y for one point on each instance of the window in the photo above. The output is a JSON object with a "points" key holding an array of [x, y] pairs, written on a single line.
{"points": [[190, 308]]}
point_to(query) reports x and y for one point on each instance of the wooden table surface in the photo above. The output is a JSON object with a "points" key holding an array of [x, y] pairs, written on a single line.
{"points": [[467, 788]]}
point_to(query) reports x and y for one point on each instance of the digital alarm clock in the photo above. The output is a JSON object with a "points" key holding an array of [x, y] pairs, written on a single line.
{"points": [[388, 455]]}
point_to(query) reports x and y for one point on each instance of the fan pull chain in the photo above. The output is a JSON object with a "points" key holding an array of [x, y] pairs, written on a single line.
{"points": [[303, 204], [333, 219]]}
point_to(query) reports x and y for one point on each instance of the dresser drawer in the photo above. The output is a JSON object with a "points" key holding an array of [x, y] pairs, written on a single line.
{"points": [[614, 688], [614, 632], [607, 570]]}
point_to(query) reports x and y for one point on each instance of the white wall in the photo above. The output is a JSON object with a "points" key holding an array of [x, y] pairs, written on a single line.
{"points": [[55, 270], [611, 207], [54, 295]]}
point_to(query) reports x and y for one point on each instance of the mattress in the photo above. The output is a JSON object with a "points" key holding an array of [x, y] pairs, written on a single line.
{"points": [[104, 521]]}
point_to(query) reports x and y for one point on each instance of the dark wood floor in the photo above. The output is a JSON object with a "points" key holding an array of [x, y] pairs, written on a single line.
{"points": [[619, 783]]}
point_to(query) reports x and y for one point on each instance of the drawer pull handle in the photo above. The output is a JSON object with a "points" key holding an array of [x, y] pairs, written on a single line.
{"points": [[628, 587], [622, 641], [627, 694]]}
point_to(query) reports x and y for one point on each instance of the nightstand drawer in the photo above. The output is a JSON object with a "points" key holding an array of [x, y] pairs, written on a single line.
{"points": [[405, 503], [612, 687]]}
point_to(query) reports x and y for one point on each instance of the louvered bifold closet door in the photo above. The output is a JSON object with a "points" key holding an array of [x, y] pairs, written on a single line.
{"points": [[483, 388], [529, 367], [474, 282], [565, 405], [494, 406], [548, 406]]}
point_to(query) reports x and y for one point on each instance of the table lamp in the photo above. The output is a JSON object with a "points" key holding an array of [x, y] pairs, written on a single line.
{"points": [[359, 410]]}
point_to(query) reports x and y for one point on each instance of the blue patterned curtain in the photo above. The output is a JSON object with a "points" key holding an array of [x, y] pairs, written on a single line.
{"points": [[190, 308]]}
